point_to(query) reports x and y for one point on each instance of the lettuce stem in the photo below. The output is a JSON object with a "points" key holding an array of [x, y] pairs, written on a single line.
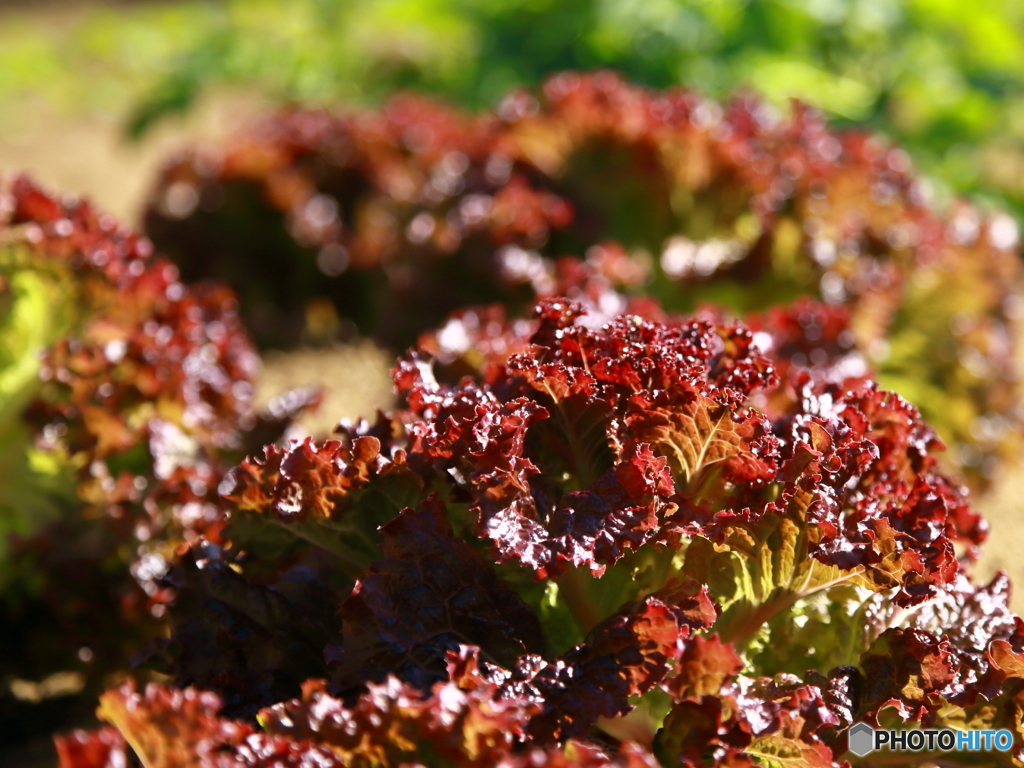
{"points": [[573, 588]]}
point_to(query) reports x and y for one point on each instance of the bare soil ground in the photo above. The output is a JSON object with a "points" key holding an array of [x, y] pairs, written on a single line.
{"points": [[1004, 551], [89, 154], [354, 381]]}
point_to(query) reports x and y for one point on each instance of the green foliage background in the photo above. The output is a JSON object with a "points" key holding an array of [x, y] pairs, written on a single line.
{"points": [[943, 78]]}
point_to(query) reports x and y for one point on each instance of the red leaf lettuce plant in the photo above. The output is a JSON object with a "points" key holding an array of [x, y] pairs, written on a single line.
{"points": [[125, 396], [622, 541]]}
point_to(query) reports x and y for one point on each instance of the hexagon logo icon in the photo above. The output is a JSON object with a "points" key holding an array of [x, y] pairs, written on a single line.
{"points": [[862, 739]]}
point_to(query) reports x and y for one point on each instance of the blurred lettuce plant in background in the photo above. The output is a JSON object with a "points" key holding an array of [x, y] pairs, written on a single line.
{"points": [[387, 220]]}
